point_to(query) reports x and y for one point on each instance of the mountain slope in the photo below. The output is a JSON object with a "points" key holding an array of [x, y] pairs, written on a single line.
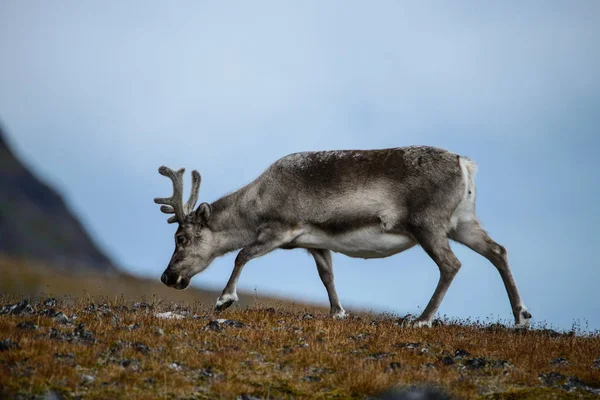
{"points": [[35, 223]]}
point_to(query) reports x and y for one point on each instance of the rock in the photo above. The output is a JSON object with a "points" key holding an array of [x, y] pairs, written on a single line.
{"points": [[549, 332], [214, 326], [91, 308], [51, 395], [447, 360], [141, 347], [81, 333], [307, 316], [175, 366], [141, 306], [61, 318], [130, 364], [460, 354], [22, 307], [159, 332], [379, 356], [596, 363], [169, 315], [228, 322], [575, 383], [312, 378], [551, 378], [413, 393], [219, 324], [476, 363], [428, 366], [559, 361], [27, 326], [248, 397], [7, 344], [50, 302], [87, 379], [104, 308]]}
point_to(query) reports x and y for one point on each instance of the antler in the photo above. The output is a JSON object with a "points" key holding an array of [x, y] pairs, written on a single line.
{"points": [[174, 204]]}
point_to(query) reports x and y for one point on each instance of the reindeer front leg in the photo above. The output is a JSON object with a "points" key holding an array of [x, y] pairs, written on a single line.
{"points": [[270, 237]]}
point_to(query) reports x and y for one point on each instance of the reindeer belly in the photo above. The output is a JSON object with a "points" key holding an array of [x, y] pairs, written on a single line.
{"points": [[367, 242]]}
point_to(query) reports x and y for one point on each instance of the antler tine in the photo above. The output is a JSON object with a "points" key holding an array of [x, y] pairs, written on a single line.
{"points": [[173, 204], [191, 203]]}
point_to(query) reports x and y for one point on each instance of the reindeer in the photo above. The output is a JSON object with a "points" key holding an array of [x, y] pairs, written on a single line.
{"points": [[361, 203]]}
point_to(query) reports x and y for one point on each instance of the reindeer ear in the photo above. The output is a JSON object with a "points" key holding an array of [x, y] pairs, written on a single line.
{"points": [[203, 212]]}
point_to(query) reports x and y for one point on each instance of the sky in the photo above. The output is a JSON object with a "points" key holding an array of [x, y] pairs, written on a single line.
{"points": [[97, 95]]}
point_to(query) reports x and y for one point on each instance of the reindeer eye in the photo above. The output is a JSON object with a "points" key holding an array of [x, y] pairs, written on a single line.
{"points": [[180, 239]]}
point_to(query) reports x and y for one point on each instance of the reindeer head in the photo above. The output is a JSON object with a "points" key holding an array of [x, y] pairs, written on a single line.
{"points": [[193, 239]]}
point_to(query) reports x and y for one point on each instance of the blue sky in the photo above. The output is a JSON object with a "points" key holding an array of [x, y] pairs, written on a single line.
{"points": [[97, 95]]}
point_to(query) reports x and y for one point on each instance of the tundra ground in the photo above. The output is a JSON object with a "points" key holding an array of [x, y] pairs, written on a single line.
{"points": [[146, 348]]}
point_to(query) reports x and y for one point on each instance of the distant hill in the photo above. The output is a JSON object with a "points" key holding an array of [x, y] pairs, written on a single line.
{"points": [[35, 223]]}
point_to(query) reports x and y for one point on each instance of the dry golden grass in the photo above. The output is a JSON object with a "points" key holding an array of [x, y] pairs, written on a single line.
{"points": [[277, 351]]}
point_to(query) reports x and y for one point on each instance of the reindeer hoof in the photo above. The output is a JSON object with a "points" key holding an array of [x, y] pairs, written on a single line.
{"points": [[422, 324], [523, 319], [339, 314], [225, 300]]}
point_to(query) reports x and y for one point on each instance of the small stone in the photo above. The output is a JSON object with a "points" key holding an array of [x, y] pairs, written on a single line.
{"points": [[447, 360], [559, 361], [307, 316], [140, 306], [50, 302], [141, 347], [303, 345], [476, 363], [22, 307], [214, 326], [596, 363], [428, 366], [411, 346], [247, 397], [551, 378], [60, 317], [461, 353], [169, 315], [549, 332], [312, 378], [379, 356], [87, 379], [175, 366], [414, 393], [6, 345], [91, 308], [27, 326], [82, 333], [159, 332]]}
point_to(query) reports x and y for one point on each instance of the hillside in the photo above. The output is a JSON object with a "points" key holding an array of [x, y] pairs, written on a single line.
{"points": [[124, 338], [35, 223]]}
